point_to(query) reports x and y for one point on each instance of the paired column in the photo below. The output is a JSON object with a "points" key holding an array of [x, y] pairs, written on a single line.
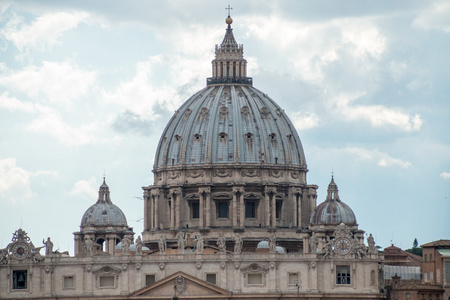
{"points": [[154, 209], [205, 207], [175, 195], [238, 207], [270, 201], [296, 194]]}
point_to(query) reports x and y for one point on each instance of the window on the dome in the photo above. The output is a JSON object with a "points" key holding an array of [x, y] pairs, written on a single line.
{"points": [[343, 275], [195, 210], [250, 209], [279, 205], [222, 210]]}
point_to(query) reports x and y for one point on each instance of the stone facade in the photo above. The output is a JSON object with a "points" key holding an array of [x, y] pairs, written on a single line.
{"points": [[230, 215]]}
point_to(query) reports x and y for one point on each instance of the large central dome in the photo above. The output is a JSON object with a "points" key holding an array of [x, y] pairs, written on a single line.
{"points": [[229, 124], [229, 160]]}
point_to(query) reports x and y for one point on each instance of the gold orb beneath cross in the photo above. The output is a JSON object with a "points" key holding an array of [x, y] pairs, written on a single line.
{"points": [[229, 20]]}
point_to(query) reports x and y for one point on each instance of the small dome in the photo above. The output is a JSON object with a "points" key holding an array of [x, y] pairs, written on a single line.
{"points": [[333, 211], [132, 247], [263, 245], [279, 249], [103, 212]]}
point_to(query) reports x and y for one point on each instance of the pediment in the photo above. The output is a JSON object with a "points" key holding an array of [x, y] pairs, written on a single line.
{"points": [[181, 284]]}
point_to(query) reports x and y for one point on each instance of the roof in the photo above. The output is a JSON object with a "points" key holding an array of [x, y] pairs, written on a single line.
{"points": [[439, 243], [444, 252], [229, 124], [333, 210]]}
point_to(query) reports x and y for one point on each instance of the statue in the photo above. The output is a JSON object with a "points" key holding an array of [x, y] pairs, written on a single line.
{"points": [[237, 243], [48, 247], [313, 243], [162, 244], [328, 248], [181, 242], [199, 243], [126, 245], [35, 255], [139, 245], [360, 249], [88, 243], [221, 243], [3, 256], [272, 243], [371, 243]]}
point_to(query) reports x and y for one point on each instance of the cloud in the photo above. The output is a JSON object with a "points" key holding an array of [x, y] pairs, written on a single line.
{"points": [[376, 115], [14, 181], [382, 159], [52, 124], [445, 175], [437, 16], [86, 189], [140, 94], [309, 56], [305, 120], [43, 32], [14, 104], [130, 121], [59, 82]]}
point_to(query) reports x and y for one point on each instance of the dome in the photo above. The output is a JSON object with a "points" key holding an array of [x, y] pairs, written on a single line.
{"points": [[103, 212], [263, 245], [333, 211], [231, 124]]}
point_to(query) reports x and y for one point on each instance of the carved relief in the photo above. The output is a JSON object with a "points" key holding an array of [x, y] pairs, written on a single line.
{"points": [[174, 174], [195, 173], [255, 268], [222, 173], [275, 173], [180, 285], [203, 113], [295, 174], [264, 112], [251, 173]]}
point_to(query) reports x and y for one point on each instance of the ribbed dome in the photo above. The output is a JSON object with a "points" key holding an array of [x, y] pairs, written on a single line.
{"points": [[103, 212], [333, 211], [229, 124]]}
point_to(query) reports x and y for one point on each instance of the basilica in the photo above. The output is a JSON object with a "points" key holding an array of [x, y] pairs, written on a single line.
{"points": [[230, 215]]}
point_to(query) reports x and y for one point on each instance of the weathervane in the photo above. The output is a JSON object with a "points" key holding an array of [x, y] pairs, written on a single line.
{"points": [[229, 8]]}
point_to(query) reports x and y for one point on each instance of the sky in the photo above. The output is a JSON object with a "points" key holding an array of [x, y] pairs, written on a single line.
{"points": [[87, 87]]}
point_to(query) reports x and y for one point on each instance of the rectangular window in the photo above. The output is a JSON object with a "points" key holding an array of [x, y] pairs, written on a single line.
{"points": [[68, 282], [20, 279], [254, 279], [222, 210], [279, 205], [431, 276], [343, 275], [425, 258], [106, 281], [431, 257], [250, 209], [211, 278], [150, 279], [425, 277], [447, 271], [195, 207], [293, 278]]}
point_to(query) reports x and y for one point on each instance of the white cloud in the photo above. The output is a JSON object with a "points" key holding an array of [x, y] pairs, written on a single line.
{"points": [[437, 16], [382, 159], [305, 120], [310, 55], [86, 189], [14, 181], [376, 115], [43, 31], [140, 95], [52, 124], [445, 175], [14, 104], [59, 82]]}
